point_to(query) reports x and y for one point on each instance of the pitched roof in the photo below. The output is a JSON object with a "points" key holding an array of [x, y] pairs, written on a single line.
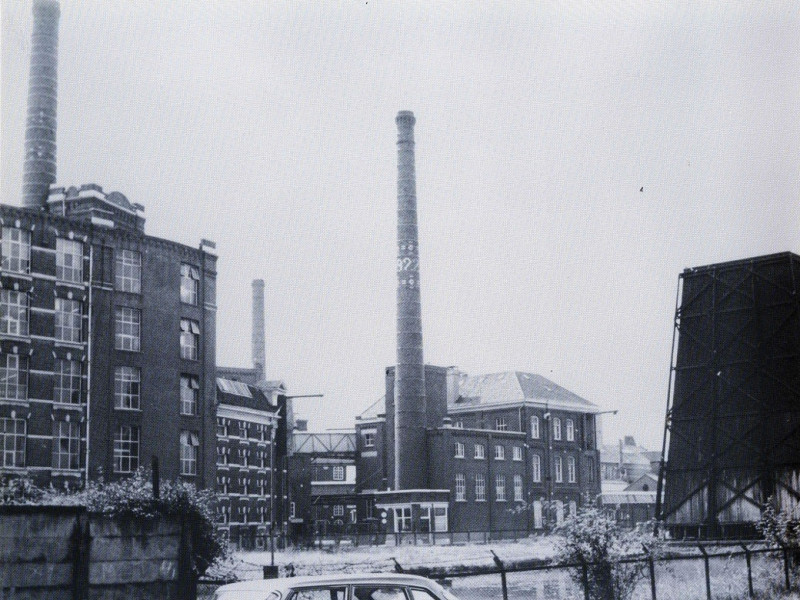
{"points": [[515, 386]]}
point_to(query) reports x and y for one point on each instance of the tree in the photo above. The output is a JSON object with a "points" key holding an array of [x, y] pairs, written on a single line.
{"points": [[594, 539]]}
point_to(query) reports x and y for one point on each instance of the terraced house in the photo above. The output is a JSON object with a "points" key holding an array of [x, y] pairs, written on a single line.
{"points": [[107, 343]]}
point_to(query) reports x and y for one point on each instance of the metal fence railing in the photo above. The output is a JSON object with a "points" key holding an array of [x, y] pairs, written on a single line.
{"points": [[683, 572]]}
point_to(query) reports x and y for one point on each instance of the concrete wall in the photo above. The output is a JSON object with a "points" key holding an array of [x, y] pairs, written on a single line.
{"points": [[58, 552]]}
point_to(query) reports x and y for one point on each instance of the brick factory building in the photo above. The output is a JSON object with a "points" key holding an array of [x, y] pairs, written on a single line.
{"points": [[500, 448], [107, 343], [249, 455]]}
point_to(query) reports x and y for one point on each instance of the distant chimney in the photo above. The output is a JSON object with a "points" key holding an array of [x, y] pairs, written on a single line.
{"points": [[259, 343], [40, 130], [410, 410]]}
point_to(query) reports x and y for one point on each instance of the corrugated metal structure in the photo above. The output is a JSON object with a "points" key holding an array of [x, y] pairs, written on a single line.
{"points": [[733, 423]]}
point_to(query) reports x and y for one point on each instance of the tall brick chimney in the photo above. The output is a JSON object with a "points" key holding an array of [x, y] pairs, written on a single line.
{"points": [[259, 343], [410, 444], [40, 130]]}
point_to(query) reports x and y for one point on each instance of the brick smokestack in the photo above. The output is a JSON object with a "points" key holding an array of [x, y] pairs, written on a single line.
{"points": [[410, 444], [259, 343], [40, 130]]}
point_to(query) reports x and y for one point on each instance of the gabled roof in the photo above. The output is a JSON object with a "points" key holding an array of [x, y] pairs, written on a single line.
{"points": [[516, 387], [237, 393]]}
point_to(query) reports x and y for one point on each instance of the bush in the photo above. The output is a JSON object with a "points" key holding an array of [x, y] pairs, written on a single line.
{"points": [[132, 498], [595, 539], [779, 528]]}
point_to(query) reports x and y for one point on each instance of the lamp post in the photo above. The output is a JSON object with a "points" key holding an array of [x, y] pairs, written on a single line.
{"points": [[273, 432]]}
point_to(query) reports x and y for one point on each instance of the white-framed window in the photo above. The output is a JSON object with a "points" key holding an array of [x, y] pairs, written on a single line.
{"points": [[66, 445], [556, 428], [338, 510], [127, 388], [535, 432], [126, 449], [459, 424], [223, 513], [127, 328], [222, 455], [244, 510], [559, 469], [13, 377], [69, 260], [190, 444], [243, 429], [480, 487], [459, 453], [369, 439], [67, 384], [590, 469], [292, 510], [128, 271], [12, 442], [14, 312], [500, 424], [68, 320], [537, 468], [500, 487], [402, 519], [338, 473], [518, 488], [571, 475], [190, 339], [190, 283], [517, 453], [499, 452], [15, 251], [570, 430], [222, 427], [480, 451], [245, 481], [461, 488], [190, 390]]}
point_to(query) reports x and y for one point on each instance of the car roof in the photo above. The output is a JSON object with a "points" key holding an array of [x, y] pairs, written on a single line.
{"points": [[286, 583]]}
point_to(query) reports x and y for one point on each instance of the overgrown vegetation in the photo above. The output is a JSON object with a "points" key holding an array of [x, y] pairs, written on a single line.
{"points": [[779, 528], [132, 498], [594, 539]]}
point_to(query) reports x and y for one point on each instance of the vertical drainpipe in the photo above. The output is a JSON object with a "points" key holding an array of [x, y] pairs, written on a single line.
{"points": [[201, 452], [89, 364]]}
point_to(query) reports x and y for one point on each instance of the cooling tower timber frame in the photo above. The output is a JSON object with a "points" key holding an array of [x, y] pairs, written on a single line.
{"points": [[733, 422]]}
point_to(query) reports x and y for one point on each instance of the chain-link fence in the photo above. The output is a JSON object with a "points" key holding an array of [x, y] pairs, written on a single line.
{"points": [[684, 573]]}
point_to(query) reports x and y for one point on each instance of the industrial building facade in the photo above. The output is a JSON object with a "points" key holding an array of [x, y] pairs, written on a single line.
{"points": [[506, 453], [107, 344]]}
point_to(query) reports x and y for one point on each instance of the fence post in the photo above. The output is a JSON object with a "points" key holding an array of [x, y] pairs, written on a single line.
{"points": [[651, 565], [585, 579], [708, 571], [786, 568], [502, 568], [749, 570]]}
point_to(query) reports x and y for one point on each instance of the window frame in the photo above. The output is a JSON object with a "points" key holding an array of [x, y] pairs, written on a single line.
{"points": [[73, 250], [127, 447], [500, 424], [127, 329], [500, 487], [128, 271], [67, 384], [72, 455], [571, 470], [516, 453], [68, 321], [14, 313], [480, 487], [189, 394], [518, 488], [570, 427], [338, 473], [14, 378], [15, 254], [13, 442], [190, 339], [480, 452], [536, 431], [190, 273], [189, 452], [536, 468], [127, 399], [499, 452], [460, 487], [559, 469], [557, 429], [460, 450]]}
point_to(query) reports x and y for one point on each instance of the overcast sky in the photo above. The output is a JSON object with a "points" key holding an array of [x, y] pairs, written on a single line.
{"points": [[572, 159]]}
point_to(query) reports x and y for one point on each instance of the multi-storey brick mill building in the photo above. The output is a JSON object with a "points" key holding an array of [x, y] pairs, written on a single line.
{"points": [[107, 343]]}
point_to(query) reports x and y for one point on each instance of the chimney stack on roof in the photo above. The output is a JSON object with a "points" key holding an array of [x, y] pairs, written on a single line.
{"points": [[40, 129], [259, 342]]}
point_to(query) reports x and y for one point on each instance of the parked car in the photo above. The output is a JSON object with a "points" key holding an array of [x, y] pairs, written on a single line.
{"points": [[368, 586]]}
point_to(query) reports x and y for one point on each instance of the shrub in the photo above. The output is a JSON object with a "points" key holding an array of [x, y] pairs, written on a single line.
{"points": [[595, 539], [779, 528]]}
